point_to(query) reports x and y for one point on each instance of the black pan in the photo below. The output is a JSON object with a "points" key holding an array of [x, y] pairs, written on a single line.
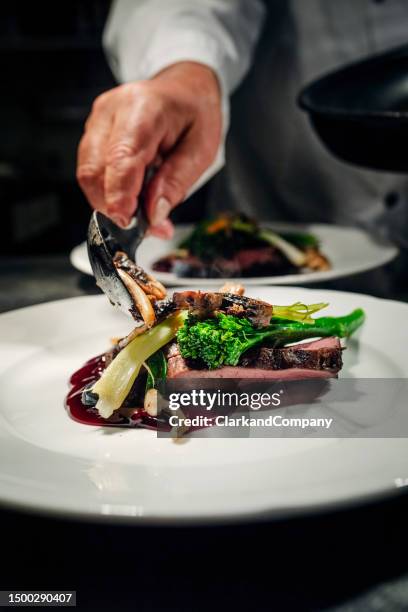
{"points": [[360, 112]]}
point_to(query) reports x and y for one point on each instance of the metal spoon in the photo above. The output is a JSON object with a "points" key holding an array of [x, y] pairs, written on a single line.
{"points": [[104, 240]]}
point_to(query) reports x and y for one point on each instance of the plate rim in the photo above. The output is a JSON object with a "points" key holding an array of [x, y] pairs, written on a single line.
{"points": [[389, 252], [273, 514], [232, 516]]}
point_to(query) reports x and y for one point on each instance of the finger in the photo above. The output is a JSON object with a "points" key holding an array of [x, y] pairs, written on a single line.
{"points": [[164, 230], [91, 154], [177, 175], [133, 144]]}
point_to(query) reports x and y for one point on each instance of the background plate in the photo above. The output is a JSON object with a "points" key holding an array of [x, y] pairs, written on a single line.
{"points": [[50, 463], [350, 251]]}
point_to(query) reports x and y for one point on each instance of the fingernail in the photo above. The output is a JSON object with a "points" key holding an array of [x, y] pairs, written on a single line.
{"points": [[119, 220], [165, 230], [161, 211]]}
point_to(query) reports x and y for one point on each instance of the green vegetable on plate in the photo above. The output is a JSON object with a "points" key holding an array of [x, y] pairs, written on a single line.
{"points": [[116, 381], [223, 339]]}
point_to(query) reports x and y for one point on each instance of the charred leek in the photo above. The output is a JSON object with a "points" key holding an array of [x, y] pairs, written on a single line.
{"points": [[116, 381]]}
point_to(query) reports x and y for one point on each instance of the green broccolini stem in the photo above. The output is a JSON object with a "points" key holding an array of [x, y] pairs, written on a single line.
{"points": [[298, 311], [224, 339], [281, 333], [342, 327]]}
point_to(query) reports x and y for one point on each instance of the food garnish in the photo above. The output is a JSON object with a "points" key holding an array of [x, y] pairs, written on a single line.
{"points": [[117, 379], [223, 340], [210, 335], [233, 245]]}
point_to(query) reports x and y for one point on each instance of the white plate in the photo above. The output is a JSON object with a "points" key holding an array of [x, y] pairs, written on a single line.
{"points": [[50, 463], [350, 251]]}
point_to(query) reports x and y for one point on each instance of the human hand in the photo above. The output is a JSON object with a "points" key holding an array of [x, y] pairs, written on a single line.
{"points": [[172, 121]]}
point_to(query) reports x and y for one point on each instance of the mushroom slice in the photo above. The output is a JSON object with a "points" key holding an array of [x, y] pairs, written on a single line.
{"points": [[150, 402], [315, 260], [139, 297], [147, 282]]}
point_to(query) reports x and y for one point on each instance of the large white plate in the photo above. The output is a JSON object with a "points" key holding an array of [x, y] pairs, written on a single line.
{"points": [[50, 463], [350, 251]]}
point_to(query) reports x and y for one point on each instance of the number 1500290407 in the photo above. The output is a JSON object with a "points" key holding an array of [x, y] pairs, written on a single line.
{"points": [[37, 598]]}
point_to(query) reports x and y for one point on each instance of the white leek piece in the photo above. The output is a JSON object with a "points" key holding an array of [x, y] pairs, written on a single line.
{"points": [[293, 254], [118, 378]]}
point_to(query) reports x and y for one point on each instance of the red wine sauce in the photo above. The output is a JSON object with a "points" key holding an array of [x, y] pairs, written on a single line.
{"points": [[88, 374]]}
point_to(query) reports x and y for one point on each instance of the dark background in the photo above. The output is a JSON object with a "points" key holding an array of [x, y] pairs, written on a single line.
{"points": [[52, 67], [301, 565]]}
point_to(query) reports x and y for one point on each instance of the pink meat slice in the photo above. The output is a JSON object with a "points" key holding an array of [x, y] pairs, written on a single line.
{"points": [[251, 257], [178, 368]]}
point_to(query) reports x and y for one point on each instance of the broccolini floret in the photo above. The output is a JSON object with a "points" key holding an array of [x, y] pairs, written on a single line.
{"points": [[222, 340]]}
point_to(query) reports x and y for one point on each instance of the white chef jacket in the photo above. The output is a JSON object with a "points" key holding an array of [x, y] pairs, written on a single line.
{"points": [[276, 166]]}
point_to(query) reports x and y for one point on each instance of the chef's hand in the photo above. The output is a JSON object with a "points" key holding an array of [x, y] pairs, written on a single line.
{"points": [[172, 120]]}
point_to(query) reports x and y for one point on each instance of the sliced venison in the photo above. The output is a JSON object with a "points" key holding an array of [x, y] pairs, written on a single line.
{"points": [[205, 304], [324, 354], [319, 358]]}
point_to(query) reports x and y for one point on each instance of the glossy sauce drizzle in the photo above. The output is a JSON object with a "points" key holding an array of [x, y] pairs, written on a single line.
{"points": [[88, 374]]}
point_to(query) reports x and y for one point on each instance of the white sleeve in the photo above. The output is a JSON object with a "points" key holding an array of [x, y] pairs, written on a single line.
{"points": [[142, 37]]}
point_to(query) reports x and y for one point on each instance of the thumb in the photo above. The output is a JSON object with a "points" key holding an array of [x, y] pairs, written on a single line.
{"points": [[178, 173], [164, 230]]}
